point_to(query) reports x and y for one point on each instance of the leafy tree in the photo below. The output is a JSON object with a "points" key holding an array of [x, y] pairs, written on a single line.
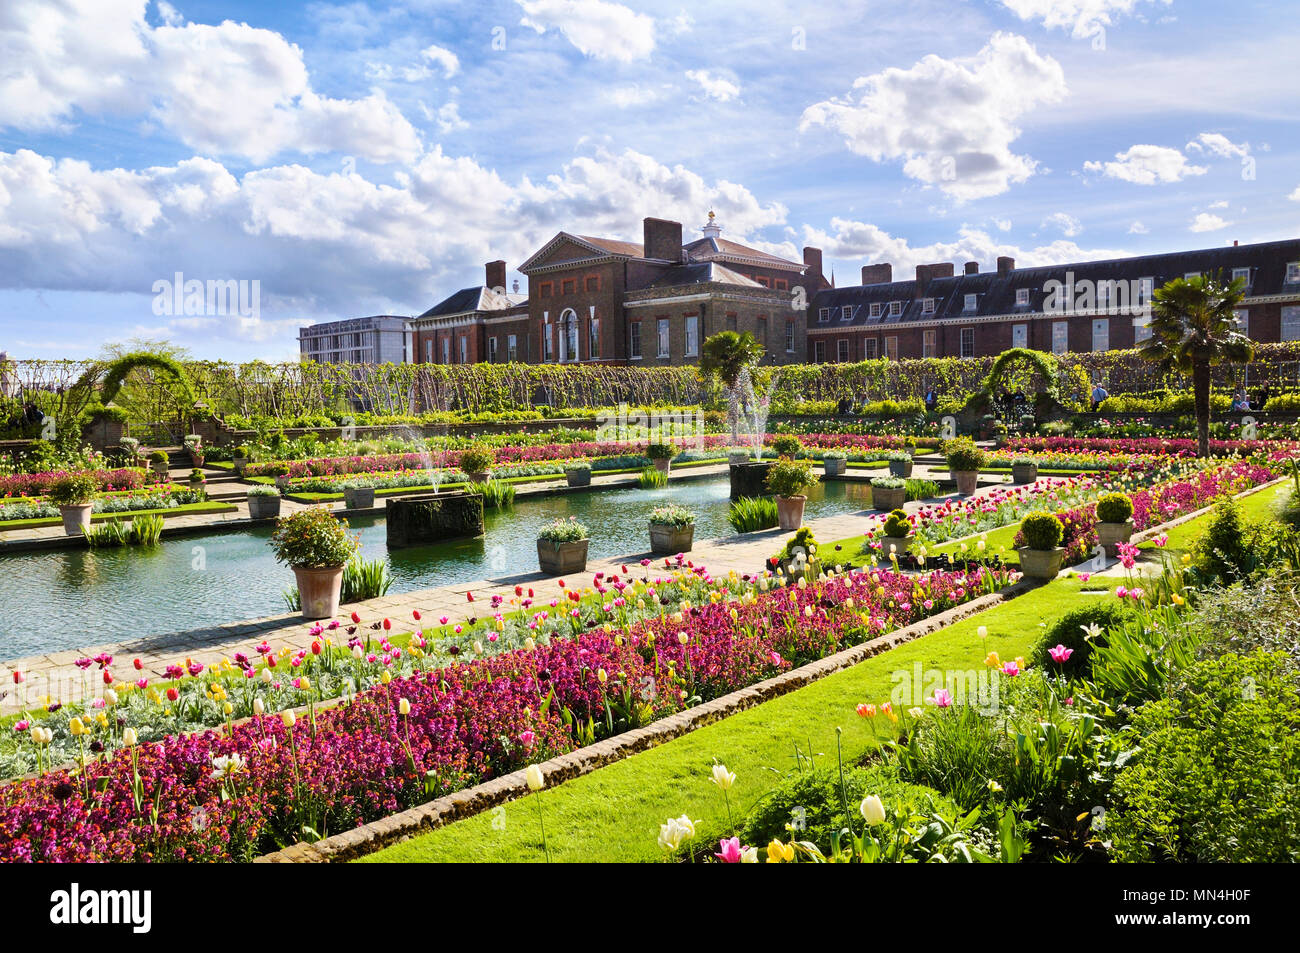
{"points": [[727, 356], [1193, 328]]}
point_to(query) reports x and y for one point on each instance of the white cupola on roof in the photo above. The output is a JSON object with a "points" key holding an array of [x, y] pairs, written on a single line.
{"points": [[713, 229]]}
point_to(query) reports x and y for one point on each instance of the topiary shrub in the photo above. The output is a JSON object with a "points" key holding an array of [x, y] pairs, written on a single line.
{"points": [[897, 525], [803, 542], [963, 456], [660, 451], [1042, 531], [1069, 631], [1114, 508]]}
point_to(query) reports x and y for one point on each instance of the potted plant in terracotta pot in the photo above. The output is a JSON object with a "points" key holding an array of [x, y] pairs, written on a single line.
{"points": [[358, 493], [194, 445], [74, 495], [896, 535], [281, 473], [789, 480], [197, 480], [1114, 521], [964, 463], [661, 455], [578, 472], [900, 463], [562, 546], [834, 462], [1024, 470], [158, 463], [316, 546], [1042, 554], [476, 461], [263, 502], [888, 493], [672, 529], [240, 457]]}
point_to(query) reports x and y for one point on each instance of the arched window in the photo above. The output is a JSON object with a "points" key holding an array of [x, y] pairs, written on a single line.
{"points": [[569, 336]]}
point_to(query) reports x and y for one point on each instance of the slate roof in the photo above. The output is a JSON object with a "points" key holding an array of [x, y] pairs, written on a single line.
{"points": [[997, 293], [478, 298], [703, 249], [699, 273]]}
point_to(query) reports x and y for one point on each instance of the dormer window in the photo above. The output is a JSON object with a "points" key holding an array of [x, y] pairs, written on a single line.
{"points": [[824, 315], [1188, 276], [927, 306], [875, 309], [1022, 297], [846, 313], [971, 303], [1243, 274], [1293, 273], [895, 309]]}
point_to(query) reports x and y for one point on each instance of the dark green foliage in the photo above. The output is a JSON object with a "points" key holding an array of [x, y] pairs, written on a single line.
{"points": [[1042, 530], [1068, 630], [1114, 508]]}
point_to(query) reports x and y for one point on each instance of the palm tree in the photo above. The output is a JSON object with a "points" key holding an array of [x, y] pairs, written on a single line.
{"points": [[1193, 328], [726, 356]]}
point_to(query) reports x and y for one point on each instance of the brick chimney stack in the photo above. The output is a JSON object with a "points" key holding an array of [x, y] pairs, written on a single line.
{"points": [[496, 275], [1006, 265], [880, 274], [662, 239], [972, 268], [927, 273], [812, 262]]}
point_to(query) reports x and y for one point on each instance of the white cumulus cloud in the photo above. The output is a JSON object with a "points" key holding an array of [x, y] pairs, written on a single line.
{"points": [[1147, 165], [951, 121], [598, 28], [714, 86], [1067, 223], [1207, 222], [1083, 18]]}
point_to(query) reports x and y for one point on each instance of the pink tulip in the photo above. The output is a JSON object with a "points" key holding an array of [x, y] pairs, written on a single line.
{"points": [[730, 852], [1060, 655], [943, 697]]}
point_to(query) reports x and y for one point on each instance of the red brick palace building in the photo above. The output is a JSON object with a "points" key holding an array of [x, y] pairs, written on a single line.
{"points": [[600, 300]]}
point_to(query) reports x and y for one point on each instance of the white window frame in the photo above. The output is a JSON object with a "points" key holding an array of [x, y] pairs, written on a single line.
{"points": [[1022, 297], [446, 350], [512, 348], [634, 340], [464, 349], [870, 349], [891, 347], [692, 335], [965, 349], [593, 339], [1100, 333], [819, 352], [971, 303], [846, 313], [1292, 272], [789, 337], [874, 310], [492, 349], [663, 338], [1189, 275], [1021, 331], [895, 309], [1291, 315], [1060, 337], [1141, 329], [930, 342], [823, 315], [428, 350], [842, 350], [1243, 273], [1243, 320], [927, 306]]}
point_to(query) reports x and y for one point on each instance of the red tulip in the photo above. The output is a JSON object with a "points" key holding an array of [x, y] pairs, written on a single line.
{"points": [[139, 666], [315, 647], [19, 678], [469, 596], [519, 590], [561, 583], [108, 677], [415, 614], [356, 617], [172, 694], [388, 624]]}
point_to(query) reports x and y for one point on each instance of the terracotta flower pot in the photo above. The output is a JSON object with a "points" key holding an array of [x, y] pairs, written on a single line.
{"points": [[578, 477], [966, 481], [1041, 563], [76, 518], [319, 591], [559, 559], [670, 540], [900, 468], [888, 500], [481, 476], [159, 467], [789, 512], [663, 466], [263, 507], [1024, 472], [1110, 535], [835, 466], [359, 498], [239, 463]]}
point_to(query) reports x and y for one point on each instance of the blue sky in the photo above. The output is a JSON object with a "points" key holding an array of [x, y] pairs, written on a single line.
{"points": [[358, 158]]}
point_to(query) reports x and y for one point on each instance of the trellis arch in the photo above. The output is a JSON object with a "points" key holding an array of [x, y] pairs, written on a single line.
{"points": [[115, 375], [1041, 363]]}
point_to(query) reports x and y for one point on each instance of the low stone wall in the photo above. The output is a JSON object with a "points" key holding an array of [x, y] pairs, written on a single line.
{"points": [[432, 518], [749, 479]]}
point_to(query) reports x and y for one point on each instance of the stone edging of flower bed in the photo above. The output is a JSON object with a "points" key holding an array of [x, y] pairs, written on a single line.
{"points": [[459, 805], [1154, 531]]}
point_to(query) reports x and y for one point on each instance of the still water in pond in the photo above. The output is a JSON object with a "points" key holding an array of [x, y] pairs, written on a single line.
{"points": [[66, 599]]}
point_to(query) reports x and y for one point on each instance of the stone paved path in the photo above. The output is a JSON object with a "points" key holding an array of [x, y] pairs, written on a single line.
{"points": [[55, 675]]}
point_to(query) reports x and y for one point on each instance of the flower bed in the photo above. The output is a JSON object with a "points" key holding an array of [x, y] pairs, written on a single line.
{"points": [[1142, 446], [153, 498], [38, 484], [222, 795]]}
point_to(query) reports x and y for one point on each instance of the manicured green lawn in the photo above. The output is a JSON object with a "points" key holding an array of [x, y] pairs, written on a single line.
{"points": [[1253, 506], [185, 509], [614, 813]]}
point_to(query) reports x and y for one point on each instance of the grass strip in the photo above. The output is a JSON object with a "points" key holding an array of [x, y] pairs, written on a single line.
{"points": [[211, 506], [614, 813]]}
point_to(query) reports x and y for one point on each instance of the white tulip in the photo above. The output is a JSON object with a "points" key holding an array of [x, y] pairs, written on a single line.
{"points": [[873, 810], [533, 775], [722, 777]]}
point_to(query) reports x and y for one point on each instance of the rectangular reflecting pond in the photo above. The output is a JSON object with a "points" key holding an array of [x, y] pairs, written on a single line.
{"points": [[57, 600]]}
